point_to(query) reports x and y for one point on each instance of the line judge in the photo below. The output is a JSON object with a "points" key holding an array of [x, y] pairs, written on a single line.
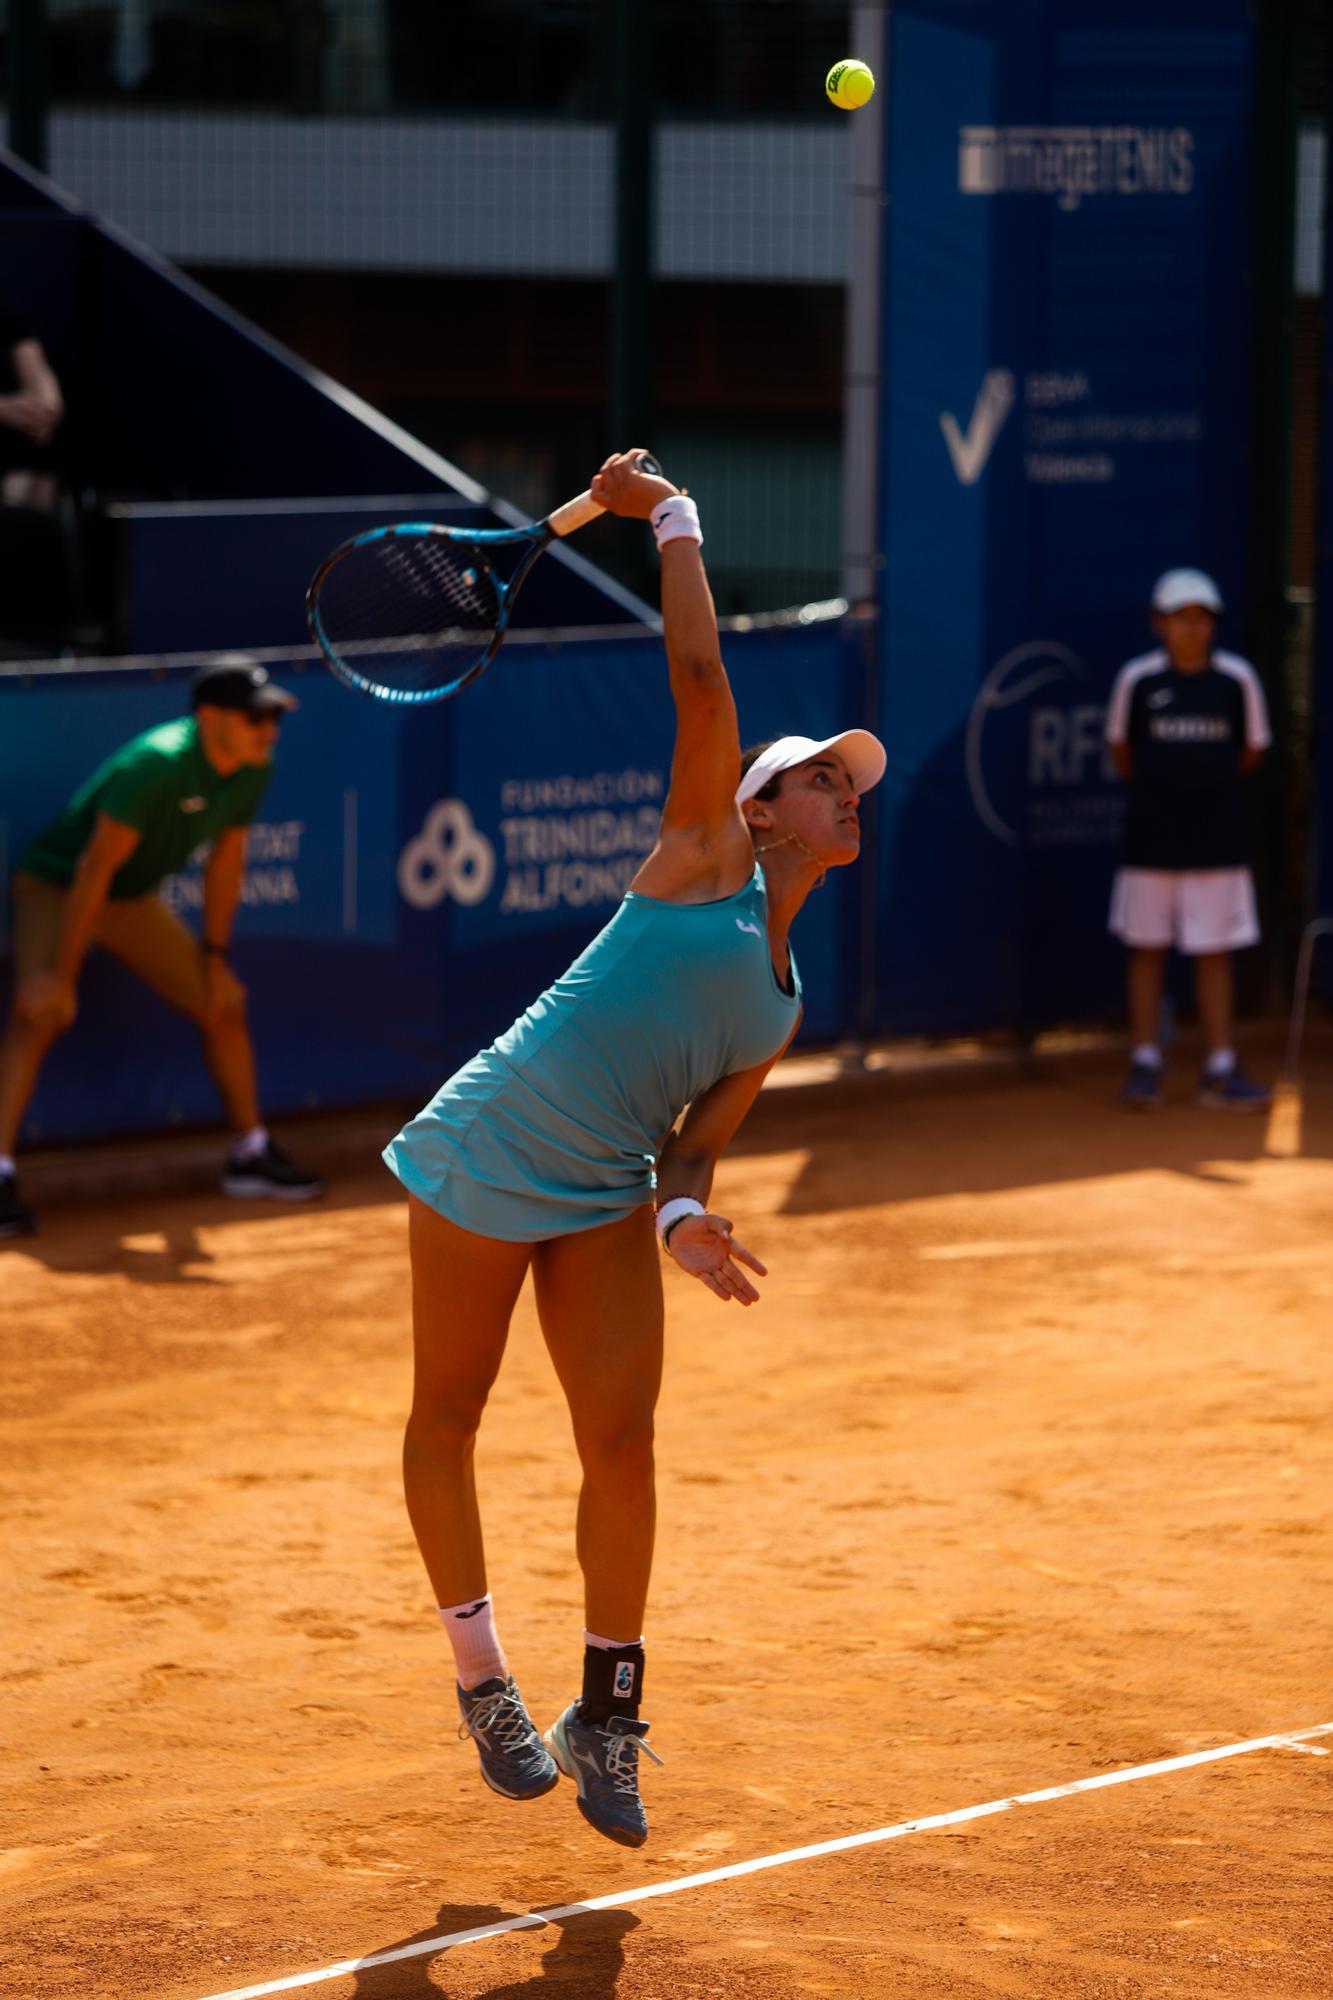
{"points": [[91, 878]]}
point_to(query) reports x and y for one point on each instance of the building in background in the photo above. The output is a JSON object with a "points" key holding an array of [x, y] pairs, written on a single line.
{"points": [[418, 196]]}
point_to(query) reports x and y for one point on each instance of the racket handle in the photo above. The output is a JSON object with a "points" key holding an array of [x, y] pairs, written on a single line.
{"points": [[574, 514], [577, 513]]}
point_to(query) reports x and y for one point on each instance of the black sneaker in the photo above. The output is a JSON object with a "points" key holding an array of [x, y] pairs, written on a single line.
{"points": [[16, 1219], [1232, 1090], [1142, 1088], [270, 1176]]}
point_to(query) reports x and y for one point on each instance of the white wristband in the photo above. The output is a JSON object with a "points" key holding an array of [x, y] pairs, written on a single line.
{"points": [[676, 519], [674, 1211]]}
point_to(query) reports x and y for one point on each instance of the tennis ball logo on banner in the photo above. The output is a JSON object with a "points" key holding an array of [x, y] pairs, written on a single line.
{"points": [[1034, 752], [450, 857]]}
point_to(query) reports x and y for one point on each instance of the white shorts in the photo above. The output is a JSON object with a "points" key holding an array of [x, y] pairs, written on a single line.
{"points": [[1196, 909]]}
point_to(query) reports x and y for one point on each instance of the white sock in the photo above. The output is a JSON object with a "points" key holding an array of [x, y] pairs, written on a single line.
{"points": [[7, 1167], [478, 1654], [609, 1645], [1220, 1063], [250, 1144], [1147, 1053]]}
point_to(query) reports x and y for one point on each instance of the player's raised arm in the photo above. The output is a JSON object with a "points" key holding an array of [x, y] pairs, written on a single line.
{"points": [[704, 845]]}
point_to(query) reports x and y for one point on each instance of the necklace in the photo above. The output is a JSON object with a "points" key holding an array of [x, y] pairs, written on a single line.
{"points": [[768, 849]]}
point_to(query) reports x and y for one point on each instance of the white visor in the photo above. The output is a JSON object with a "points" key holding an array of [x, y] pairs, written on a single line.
{"points": [[863, 754], [1180, 587]]}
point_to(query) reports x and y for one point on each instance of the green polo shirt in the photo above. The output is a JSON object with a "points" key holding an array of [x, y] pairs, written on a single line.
{"points": [[163, 786]]}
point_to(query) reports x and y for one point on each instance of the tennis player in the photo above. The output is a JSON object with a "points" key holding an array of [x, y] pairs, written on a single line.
{"points": [[544, 1151]]}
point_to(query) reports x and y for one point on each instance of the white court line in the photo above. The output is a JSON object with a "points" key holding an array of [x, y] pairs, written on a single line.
{"points": [[1293, 1739]]}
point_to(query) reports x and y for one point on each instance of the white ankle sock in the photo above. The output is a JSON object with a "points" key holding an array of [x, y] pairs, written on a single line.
{"points": [[249, 1145], [7, 1167], [1220, 1063], [478, 1654], [1148, 1054]]}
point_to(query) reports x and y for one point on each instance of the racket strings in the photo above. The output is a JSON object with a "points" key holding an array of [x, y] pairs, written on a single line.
{"points": [[411, 613]]}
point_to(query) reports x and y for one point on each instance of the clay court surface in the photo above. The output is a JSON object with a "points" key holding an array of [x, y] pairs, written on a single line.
{"points": [[1019, 1473]]}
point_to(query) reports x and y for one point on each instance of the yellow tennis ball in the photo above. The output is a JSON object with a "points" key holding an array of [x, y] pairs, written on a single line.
{"points": [[849, 84]]}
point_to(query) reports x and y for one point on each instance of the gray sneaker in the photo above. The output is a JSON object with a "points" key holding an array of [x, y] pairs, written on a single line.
{"points": [[514, 1760], [603, 1760]]}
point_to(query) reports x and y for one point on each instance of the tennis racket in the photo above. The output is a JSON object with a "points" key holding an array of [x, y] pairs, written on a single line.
{"points": [[413, 612]]}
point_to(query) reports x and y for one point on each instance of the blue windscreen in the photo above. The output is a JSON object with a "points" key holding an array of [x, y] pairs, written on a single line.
{"points": [[415, 879], [1066, 360]]}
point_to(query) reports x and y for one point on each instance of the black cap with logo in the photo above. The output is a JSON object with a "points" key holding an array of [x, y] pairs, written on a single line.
{"points": [[240, 684]]}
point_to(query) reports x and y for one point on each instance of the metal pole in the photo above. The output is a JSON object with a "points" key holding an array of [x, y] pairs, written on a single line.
{"points": [[632, 311], [862, 425], [1321, 927], [29, 81], [1279, 45], [862, 360], [633, 51]]}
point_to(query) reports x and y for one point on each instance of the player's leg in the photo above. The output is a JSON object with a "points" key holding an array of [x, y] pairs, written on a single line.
{"points": [[1145, 977], [38, 909], [1142, 916], [1213, 996], [1147, 971], [1224, 1086], [1219, 916], [599, 1296], [148, 938], [23, 1049], [463, 1292]]}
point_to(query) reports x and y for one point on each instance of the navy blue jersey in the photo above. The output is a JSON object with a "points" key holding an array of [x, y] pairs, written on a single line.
{"points": [[1186, 733]]}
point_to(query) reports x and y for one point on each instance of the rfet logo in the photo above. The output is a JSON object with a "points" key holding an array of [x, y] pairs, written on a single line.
{"points": [[1018, 747], [450, 857]]}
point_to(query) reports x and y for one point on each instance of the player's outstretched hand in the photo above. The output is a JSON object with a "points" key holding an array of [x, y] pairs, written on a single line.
{"points": [[704, 1246], [621, 488]]}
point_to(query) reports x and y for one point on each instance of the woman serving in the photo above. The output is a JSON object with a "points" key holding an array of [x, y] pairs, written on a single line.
{"points": [[542, 1153]]}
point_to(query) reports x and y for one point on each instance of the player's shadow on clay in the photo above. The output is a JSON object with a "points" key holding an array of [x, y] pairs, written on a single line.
{"points": [[170, 1255], [586, 1959]]}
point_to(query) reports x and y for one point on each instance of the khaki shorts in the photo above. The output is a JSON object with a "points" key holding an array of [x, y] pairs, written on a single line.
{"points": [[140, 931]]}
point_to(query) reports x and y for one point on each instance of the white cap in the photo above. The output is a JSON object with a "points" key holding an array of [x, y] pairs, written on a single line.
{"points": [[863, 754], [1179, 587]]}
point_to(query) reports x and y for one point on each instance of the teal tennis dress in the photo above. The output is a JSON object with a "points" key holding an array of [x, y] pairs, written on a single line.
{"points": [[557, 1125]]}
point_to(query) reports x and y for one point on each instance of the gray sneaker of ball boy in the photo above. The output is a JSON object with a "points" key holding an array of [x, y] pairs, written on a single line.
{"points": [[514, 1760], [603, 1760]]}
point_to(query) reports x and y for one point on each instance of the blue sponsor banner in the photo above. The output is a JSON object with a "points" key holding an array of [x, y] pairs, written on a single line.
{"points": [[415, 878], [1322, 815], [1066, 358]]}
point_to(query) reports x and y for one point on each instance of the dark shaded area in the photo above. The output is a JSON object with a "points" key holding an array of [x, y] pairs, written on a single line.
{"points": [[586, 1959], [732, 59], [901, 1130]]}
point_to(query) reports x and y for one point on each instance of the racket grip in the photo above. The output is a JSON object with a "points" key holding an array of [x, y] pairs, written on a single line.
{"points": [[574, 514], [577, 513]]}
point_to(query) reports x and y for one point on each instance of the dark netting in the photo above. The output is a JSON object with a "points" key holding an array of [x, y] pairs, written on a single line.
{"points": [[408, 616]]}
